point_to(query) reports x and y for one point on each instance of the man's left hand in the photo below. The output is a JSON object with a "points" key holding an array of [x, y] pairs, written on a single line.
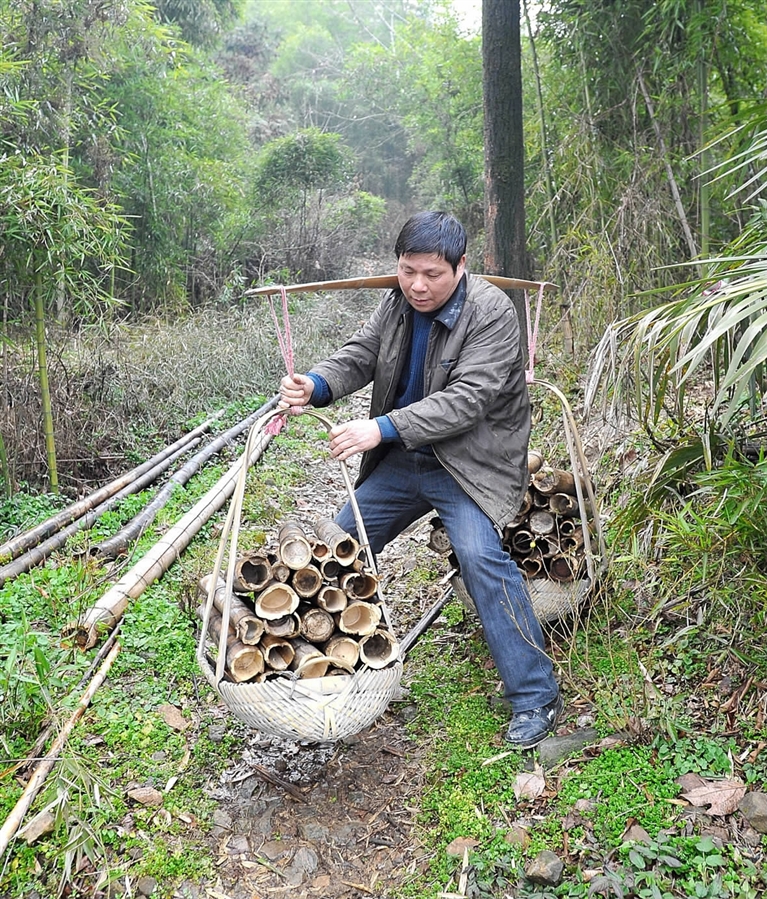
{"points": [[352, 437]]}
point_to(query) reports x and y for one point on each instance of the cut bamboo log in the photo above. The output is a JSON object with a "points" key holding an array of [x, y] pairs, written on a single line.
{"points": [[567, 527], [532, 565], [252, 572], [332, 599], [342, 545], [574, 541], [563, 568], [358, 585], [294, 547], [243, 662], [526, 504], [378, 649], [554, 480], [280, 571], [276, 600], [523, 542], [563, 504], [287, 626], [361, 618], [308, 661], [549, 546], [247, 626], [541, 522], [540, 500], [534, 461], [317, 625], [320, 550], [307, 581], [330, 568], [342, 649], [278, 652]]}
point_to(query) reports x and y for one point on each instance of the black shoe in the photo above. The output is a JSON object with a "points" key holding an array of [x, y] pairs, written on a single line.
{"points": [[528, 729]]}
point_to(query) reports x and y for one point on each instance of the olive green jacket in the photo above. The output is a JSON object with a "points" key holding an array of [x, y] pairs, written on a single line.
{"points": [[475, 412]]}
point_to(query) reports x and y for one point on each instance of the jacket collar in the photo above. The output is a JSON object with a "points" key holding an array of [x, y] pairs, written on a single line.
{"points": [[450, 312]]}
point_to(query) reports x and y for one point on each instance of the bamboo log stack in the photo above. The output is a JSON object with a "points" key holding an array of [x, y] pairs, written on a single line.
{"points": [[306, 607], [546, 537]]}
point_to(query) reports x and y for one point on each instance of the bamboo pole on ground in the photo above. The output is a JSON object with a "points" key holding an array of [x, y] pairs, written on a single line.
{"points": [[43, 769], [119, 542], [105, 613], [31, 537], [39, 553]]}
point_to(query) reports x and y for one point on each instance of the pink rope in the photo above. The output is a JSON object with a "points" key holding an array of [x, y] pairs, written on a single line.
{"points": [[285, 340], [532, 334]]}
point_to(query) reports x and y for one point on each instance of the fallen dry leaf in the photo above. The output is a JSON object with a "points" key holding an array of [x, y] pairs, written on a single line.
{"points": [[529, 784], [173, 717], [722, 796], [146, 796]]}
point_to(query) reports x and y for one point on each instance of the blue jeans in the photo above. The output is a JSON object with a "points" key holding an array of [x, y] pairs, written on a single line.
{"points": [[408, 485]]}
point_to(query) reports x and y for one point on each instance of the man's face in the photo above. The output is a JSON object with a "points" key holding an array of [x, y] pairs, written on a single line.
{"points": [[428, 280]]}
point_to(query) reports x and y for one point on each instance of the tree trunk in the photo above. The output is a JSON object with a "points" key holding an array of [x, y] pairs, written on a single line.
{"points": [[505, 245]]}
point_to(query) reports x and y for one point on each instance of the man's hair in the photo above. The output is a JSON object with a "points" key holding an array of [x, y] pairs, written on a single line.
{"points": [[432, 232]]}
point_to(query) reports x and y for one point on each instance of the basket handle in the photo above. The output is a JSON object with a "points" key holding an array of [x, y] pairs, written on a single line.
{"points": [[231, 531]]}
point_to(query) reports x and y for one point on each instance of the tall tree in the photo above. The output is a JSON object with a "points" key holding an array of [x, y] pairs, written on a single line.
{"points": [[505, 244]]}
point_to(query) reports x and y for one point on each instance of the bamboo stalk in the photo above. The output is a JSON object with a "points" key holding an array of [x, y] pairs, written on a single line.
{"points": [[243, 662], [108, 610], [247, 626], [276, 600], [118, 544], [522, 542], [532, 565], [563, 568], [320, 550], [42, 550], [295, 550], [280, 571], [43, 769], [31, 537], [330, 568], [534, 461], [252, 572], [343, 546], [317, 625]]}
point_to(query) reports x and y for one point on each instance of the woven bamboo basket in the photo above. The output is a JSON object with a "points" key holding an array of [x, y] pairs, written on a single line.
{"points": [[323, 709], [554, 600]]}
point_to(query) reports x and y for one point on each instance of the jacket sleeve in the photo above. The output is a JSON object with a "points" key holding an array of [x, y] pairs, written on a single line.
{"points": [[479, 367], [353, 366]]}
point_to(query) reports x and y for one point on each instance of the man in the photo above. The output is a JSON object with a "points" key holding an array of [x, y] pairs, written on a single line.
{"points": [[448, 431]]}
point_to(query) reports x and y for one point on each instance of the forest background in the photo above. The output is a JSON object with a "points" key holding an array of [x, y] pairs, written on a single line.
{"points": [[159, 159]]}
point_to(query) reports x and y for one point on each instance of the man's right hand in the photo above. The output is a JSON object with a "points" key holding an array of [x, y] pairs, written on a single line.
{"points": [[296, 392]]}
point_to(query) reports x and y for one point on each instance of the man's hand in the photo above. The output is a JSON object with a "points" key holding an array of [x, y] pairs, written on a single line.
{"points": [[354, 437], [296, 392]]}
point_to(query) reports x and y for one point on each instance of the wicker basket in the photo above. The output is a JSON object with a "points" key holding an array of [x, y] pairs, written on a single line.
{"points": [[551, 600], [323, 709]]}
